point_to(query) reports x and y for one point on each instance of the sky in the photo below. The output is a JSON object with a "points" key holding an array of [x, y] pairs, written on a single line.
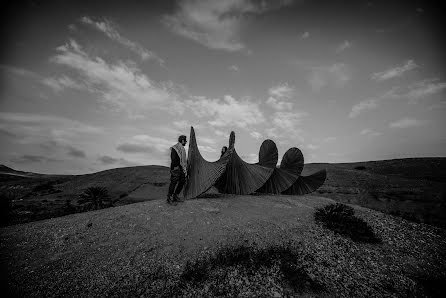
{"points": [[92, 85]]}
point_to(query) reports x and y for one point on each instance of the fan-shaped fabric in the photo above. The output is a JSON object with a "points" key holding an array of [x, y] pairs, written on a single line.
{"points": [[285, 176], [268, 154], [201, 173], [307, 184], [240, 177]]}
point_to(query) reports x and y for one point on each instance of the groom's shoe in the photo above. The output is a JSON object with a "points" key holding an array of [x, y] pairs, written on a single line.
{"points": [[176, 198], [170, 200]]}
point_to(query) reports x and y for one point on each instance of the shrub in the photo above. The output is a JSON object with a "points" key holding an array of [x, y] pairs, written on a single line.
{"points": [[361, 168], [283, 264], [5, 207], [95, 197], [340, 218]]}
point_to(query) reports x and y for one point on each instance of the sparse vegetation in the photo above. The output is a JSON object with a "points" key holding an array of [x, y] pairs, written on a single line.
{"points": [[249, 271], [340, 218], [5, 207], [95, 197]]}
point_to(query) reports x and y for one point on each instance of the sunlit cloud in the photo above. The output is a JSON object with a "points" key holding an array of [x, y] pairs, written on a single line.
{"points": [[365, 105], [394, 72], [407, 123], [370, 133], [287, 125], [121, 86], [227, 112], [281, 90], [216, 24], [256, 135], [109, 29]]}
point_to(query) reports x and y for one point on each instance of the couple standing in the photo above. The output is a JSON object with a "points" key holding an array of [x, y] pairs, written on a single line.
{"points": [[178, 169]]}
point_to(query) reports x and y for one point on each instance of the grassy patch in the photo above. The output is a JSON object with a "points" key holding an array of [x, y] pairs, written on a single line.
{"points": [[340, 218], [249, 271], [361, 168]]}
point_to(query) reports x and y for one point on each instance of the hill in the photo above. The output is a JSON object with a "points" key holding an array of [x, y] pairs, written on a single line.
{"points": [[153, 249], [412, 188]]}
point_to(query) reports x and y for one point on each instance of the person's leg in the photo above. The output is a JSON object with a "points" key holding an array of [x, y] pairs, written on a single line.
{"points": [[181, 181], [174, 178]]}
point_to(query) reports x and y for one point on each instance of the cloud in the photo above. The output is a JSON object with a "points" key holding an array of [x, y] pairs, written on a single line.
{"points": [[438, 106], [286, 125], [75, 152], [227, 112], [233, 68], [108, 160], [35, 128], [109, 29], [281, 90], [305, 35], [59, 84], [145, 144], [394, 71], [279, 104], [370, 132], [364, 105], [336, 75], [30, 158], [414, 93], [407, 122], [423, 89], [121, 86], [330, 139], [18, 71], [343, 46], [250, 158], [313, 147], [278, 97], [216, 24], [256, 135]]}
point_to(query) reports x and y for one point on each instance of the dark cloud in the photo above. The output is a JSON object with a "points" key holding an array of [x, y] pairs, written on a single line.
{"points": [[29, 158], [108, 160], [76, 152], [135, 148]]}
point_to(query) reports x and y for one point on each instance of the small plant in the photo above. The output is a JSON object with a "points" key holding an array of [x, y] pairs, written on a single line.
{"points": [[221, 272], [340, 218], [5, 207], [95, 197]]}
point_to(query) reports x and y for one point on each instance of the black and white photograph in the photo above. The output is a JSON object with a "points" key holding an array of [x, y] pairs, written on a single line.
{"points": [[222, 148]]}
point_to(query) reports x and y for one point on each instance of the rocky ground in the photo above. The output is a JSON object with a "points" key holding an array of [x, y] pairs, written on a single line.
{"points": [[143, 249]]}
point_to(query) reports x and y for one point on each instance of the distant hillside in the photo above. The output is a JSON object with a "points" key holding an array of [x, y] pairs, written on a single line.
{"points": [[413, 188]]}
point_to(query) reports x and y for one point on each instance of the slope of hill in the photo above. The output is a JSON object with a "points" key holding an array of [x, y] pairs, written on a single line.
{"points": [[143, 249], [413, 188]]}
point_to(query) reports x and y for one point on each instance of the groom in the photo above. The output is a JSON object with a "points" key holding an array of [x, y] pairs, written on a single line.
{"points": [[178, 170]]}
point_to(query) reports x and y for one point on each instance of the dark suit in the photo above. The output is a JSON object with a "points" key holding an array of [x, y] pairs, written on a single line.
{"points": [[177, 177]]}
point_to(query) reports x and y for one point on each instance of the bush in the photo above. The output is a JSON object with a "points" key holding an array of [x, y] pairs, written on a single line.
{"points": [[95, 197], [5, 208], [361, 168], [340, 218]]}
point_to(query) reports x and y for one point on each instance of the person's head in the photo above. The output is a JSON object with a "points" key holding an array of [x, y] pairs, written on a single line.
{"points": [[182, 140], [223, 150]]}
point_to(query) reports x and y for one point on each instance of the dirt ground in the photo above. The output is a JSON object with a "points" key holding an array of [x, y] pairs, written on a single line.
{"points": [[115, 251]]}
